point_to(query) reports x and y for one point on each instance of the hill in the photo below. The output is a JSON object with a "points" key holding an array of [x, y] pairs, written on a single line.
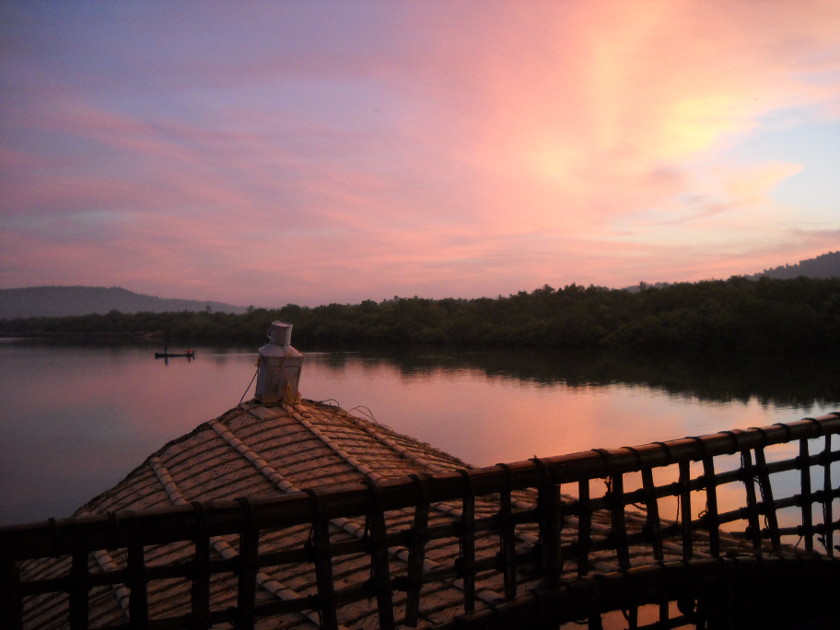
{"points": [[66, 301], [823, 266]]}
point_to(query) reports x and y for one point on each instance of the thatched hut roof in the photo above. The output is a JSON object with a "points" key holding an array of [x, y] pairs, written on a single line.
{"points": [[261, 451], [268, 450], [257, 450]]}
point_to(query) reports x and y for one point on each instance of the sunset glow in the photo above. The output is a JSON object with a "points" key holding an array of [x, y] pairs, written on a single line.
{"points": [[315, 152]]}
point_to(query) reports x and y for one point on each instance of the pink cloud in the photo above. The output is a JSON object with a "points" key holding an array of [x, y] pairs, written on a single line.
{"points": [[461, 150]]}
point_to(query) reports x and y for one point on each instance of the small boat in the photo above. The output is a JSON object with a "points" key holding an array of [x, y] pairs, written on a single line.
{"points": [[190, 354]]}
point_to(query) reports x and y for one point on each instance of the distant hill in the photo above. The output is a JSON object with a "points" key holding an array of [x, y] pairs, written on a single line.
{"points": [[66, 301], [824, 266]]}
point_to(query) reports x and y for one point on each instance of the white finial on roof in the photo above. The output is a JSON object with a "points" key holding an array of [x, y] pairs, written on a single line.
{"points": [[279, 367]]}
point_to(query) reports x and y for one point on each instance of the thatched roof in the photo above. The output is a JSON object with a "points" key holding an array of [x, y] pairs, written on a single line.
{"points": [[260, 451], [270, 450]]}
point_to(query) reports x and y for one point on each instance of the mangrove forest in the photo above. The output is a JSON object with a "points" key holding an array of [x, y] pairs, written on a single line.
{"points": [[734, 315]]}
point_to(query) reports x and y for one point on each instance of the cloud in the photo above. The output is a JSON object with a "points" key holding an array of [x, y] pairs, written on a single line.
{"points": [[352, 152], [756, 183]]}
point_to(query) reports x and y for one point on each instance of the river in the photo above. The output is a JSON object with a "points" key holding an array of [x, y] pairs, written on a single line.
{"points": [[77, 419]]}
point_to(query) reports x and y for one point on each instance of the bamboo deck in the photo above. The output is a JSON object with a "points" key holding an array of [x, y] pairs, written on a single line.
{"points": [[303, 515]]}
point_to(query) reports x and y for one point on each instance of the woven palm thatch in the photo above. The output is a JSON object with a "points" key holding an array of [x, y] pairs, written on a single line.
{"points": [[263, 451], [371, 560]]}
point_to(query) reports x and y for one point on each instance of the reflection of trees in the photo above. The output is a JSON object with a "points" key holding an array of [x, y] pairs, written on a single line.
{"points": [[800, 381]]}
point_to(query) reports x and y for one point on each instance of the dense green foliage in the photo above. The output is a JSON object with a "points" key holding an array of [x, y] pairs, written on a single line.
{"points": [[738, 314]]}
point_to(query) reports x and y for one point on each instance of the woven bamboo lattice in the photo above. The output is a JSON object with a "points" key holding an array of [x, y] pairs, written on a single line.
{"points": [[735, 529]]}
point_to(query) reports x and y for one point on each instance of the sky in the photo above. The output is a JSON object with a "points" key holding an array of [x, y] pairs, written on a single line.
{"points": [[315, 152]]}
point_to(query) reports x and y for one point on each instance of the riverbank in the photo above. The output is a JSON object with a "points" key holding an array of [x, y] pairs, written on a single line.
{"points": [[737, 315]]}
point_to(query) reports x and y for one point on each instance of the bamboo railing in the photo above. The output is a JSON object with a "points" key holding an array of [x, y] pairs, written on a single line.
{"points": [[716, 563]]}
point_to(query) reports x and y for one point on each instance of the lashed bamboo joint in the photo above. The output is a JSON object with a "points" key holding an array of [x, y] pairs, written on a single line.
{"points": [[349, 524]]}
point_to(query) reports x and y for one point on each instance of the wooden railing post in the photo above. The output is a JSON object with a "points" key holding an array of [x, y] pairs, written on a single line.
{"points": [[319, 550], [79, 607], [466, 535], [584, 534], [618, 520], [200, 592], [711, 518], [652, 523], [378, 541], [685, 508], [747, 477], [247, 567], [805, 496], [549, 507], [138, 602], [828, 489], [507, 537], [416, 554], [768, 503]]}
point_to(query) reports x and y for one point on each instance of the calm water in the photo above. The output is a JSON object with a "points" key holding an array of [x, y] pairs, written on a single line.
{"points": [[76, 420]]}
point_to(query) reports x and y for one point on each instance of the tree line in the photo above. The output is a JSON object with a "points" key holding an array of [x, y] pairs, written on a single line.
{"points": [[739, 314]]}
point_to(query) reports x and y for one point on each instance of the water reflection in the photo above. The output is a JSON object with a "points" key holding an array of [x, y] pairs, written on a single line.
{"points": [[476, 404], [795, 381], [75, 420]]}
